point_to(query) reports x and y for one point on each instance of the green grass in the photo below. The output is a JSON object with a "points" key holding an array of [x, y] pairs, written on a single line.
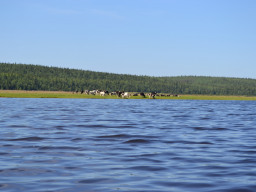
{"points": [[59, 94], [45, 94], [215, 97]]}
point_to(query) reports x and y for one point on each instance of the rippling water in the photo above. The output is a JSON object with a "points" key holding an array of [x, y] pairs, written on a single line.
{"points": [[66, 145]]}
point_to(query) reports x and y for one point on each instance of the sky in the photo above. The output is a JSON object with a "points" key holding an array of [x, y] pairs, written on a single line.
{"points": [[138, 37]]}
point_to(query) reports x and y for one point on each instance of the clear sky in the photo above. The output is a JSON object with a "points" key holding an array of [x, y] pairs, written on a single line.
{"points": [[142, 37]]}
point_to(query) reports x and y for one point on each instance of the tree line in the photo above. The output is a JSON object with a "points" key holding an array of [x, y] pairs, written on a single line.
{"points": [[36, 77]]}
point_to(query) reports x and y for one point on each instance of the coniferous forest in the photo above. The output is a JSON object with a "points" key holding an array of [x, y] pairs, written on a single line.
{"points": [[36, 77]]}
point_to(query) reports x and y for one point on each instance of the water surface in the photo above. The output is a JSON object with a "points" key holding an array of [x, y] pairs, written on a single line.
{"points": [[66, 145]]}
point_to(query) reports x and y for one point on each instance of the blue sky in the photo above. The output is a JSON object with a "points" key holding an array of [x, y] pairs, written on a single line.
{"points": [[142, 37]]}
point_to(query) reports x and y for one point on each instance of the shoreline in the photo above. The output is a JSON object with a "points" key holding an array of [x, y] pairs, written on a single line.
{"points": [[72, 95]]}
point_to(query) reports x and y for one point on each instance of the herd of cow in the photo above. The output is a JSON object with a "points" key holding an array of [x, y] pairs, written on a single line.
{"points": [[123, 94]]}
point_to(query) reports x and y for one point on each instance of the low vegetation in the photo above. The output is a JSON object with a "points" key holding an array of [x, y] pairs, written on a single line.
{"points": [[62, 94]]}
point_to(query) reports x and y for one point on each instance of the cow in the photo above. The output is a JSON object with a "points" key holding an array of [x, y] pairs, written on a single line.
{"points": [[125, 95], [152, 95], [142, 95], [119, 93], [113, 93], [98, 92], [103, 93], [93, 92]]}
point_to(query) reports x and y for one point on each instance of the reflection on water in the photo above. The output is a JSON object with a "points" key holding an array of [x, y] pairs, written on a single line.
{"points": [[127, 145]]}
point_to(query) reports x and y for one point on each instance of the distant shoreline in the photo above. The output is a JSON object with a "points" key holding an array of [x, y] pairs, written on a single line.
{"points": [[36, 77], [72, 95]]}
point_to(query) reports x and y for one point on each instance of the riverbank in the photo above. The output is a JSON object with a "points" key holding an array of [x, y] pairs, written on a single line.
{"points": [[63, 94]]}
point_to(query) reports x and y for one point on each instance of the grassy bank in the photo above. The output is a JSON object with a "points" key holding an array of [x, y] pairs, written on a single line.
{"points": [[62, 94]]}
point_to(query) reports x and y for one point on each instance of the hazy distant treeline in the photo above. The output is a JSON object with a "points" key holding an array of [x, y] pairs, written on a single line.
{"points": [[35, 77]]}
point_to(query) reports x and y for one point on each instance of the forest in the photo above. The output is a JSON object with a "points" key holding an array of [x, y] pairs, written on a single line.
{"points": [[35, 77]]}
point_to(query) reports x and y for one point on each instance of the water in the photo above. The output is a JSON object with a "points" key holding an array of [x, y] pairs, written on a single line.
{"points": [[80, 145]]}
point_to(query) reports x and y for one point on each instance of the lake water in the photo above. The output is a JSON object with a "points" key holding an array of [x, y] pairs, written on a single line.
{"points": [[81, 145]]}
